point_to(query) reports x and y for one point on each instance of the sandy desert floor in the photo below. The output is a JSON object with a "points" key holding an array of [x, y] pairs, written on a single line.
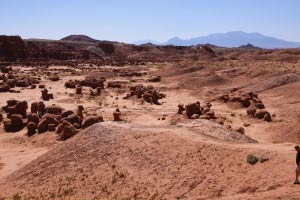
{"points": [[155, 153]]}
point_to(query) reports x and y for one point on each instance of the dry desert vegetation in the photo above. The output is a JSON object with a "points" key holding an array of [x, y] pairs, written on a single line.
{"points": [[105, 120]]}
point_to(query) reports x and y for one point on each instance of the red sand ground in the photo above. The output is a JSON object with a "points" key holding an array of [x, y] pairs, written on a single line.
{"points": [[176, 158]]}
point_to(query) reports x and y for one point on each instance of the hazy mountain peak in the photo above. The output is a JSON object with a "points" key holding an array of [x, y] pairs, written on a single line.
{"points": [[147, 41]]}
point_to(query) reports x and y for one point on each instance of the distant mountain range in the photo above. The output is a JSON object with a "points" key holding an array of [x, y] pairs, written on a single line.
{"points": [[230, 39]]}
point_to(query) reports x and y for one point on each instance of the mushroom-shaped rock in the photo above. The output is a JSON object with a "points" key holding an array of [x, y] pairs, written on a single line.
{"points": [[91, 120], [68, 131], [31, 128], [193, 108], [73, 118], [33, 117], [14, 123], [54, 109], [180, 109], [117, 115], [260, 114], [67, 113]]}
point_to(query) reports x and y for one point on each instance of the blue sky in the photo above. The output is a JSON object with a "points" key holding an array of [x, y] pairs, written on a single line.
{"points": [[132, 20]]}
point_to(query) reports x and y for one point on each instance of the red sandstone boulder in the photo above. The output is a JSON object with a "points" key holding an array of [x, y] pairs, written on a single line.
{"points": [[31, 128], [91, 120]]}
